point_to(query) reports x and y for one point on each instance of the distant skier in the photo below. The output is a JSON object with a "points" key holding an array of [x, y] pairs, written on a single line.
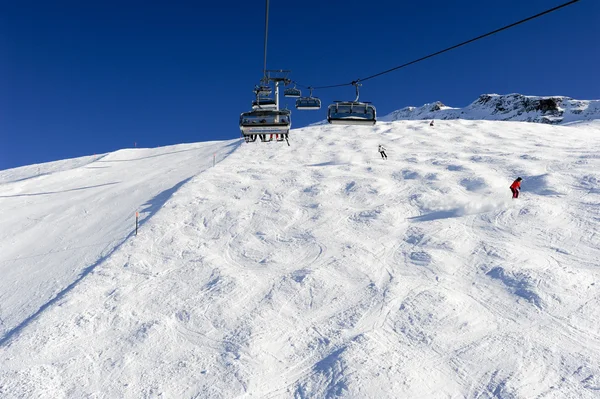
{"points": [[382, 151], [516, 187], [431, 123]]}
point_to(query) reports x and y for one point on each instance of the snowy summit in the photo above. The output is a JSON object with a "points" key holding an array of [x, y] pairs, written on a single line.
{"points": [[511, 107], [318, 270]]}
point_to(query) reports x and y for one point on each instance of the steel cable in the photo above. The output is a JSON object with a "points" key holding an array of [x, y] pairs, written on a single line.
{"points": [[444, 50]]}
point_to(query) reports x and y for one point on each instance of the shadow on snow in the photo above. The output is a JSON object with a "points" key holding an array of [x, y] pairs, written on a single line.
{"points": [[152, 206]]}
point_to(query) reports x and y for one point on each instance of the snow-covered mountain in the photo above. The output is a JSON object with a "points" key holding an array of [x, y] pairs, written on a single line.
{"points": [[511, 107], [312, 271]]}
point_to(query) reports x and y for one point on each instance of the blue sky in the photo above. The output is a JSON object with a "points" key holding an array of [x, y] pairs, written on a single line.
{"points": [[82, 78]]}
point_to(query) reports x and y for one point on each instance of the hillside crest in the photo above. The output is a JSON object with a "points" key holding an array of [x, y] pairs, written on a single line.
{"points": [[510, 107]]}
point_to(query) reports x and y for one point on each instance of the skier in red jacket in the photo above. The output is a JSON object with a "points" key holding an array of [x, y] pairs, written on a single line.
{"points": [[515, 187]]}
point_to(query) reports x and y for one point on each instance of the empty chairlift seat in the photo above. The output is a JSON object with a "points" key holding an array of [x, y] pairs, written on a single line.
{"points": [[351, 113], [263, 90], [265, 103], [292, 92], [308, 103]]}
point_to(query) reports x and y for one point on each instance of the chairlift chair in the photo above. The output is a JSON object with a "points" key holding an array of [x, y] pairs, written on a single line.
{"points": [[308, 103], [263, 90], [352, 112], [265, 103], [260, 123], [292, 92]]}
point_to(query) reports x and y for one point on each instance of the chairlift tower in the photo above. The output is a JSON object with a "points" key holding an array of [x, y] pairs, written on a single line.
{"points": [[263, 120], [277, 76]]}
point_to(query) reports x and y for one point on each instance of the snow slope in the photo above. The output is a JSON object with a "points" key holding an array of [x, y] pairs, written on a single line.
{"points": [[61, 219], [319, 270], [510, 107]]}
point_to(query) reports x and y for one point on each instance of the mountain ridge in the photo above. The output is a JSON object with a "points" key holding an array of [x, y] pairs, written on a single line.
{"points": [[509, 107]]}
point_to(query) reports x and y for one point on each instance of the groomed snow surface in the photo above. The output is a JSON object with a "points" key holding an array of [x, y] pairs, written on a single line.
{"points": [[312, 271]]}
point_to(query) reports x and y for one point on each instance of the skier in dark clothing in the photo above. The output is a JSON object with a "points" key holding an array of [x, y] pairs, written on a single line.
{"points": [[516, 187], [382, 151]]}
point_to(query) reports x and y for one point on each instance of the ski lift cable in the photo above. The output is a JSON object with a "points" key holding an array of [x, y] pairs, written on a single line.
{"points": [[447, 49], [266, 37], [472, 40]]}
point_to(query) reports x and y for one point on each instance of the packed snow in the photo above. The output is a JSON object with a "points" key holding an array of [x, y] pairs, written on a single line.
{"points": [[310, 271], [61, 219]]}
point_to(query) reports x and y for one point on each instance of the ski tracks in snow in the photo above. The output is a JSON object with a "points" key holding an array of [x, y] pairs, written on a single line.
{"points": [[320, 270]]}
